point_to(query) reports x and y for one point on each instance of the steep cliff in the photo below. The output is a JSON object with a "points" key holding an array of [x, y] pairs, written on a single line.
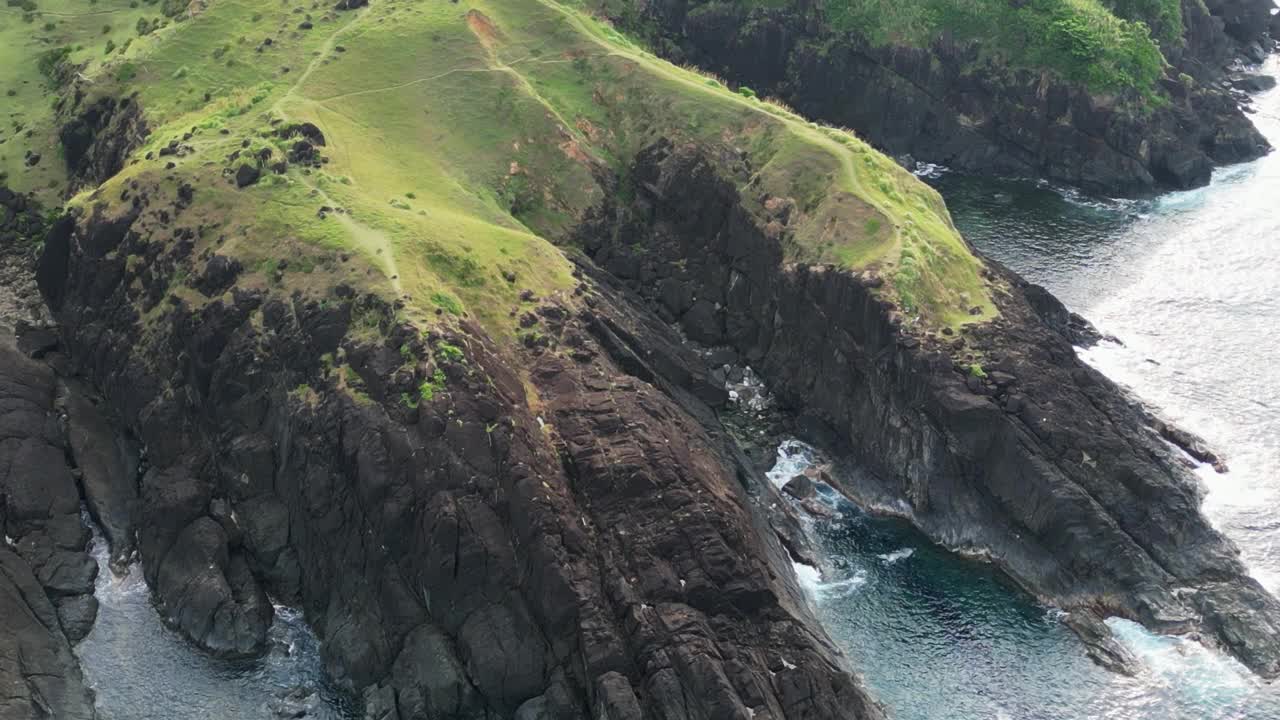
{"points": [[346, 367], [978, 101]]}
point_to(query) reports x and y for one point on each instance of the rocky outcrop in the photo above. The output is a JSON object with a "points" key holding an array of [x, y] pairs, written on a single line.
{"points": [[948, 104], [22, 223], [997, 440], [46, 578], [580, 539], [98, 136]]}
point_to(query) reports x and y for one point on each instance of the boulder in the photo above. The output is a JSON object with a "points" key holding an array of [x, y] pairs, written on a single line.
{"points": [[704, 323], [247, 175], [799, 487], [108, 469], [37, 342], [76, 615], [432, 680], [211, 595], [219, 274], [1253, 82]]}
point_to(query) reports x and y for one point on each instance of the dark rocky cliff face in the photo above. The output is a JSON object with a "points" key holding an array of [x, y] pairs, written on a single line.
{"points": [[582, 542], [946, 104], [98, 136], [46, 577], [1042, 463]]}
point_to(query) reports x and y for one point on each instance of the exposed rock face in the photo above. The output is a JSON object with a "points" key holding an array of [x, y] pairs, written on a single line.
{"points": [[22, 223], [39, 677], [945, 104], [1044, 463], [96, 139], [596, 550], [46, 578]]}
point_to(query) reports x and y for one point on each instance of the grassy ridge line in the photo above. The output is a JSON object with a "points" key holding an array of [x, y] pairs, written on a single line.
{"points": [[933, 222], [372, 243], [462, 138]]}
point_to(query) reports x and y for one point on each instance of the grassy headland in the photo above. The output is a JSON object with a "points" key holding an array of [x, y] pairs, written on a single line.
{"points": [[463, 142]]}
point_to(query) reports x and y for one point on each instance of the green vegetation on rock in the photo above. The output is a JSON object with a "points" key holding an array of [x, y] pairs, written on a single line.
{"points": [[1108, 45], [502, 116]]}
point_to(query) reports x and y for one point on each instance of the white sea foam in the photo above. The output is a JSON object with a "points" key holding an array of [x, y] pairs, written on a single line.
{"points": [[897, 555], [794, 457], [929, 170], [810, 578], [1202, 677]]}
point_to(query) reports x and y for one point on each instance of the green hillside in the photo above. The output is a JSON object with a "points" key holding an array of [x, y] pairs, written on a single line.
{"points": [[462, 142]]}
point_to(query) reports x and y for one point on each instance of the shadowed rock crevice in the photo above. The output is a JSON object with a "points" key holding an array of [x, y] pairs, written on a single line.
{"points": [[97, 139]]}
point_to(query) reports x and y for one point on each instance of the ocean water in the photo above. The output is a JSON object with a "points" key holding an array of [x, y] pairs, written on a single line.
{"points": [[1189, 283], [940, 637], [142, 670]]}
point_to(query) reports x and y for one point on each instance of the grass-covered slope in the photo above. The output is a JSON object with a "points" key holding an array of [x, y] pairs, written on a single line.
{"points": [[462, 142], [35, 36]]}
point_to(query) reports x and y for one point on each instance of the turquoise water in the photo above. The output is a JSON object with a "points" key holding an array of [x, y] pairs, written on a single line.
{"points": [[1190, 284]]}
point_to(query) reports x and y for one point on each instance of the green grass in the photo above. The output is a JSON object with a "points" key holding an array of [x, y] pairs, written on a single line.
{"points": [[73, 28], [488, 123]]}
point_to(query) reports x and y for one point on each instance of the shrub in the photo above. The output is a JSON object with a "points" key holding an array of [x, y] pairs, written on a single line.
{"points": [[53, 64], [446, 302], [449, 352], [429, 387]]}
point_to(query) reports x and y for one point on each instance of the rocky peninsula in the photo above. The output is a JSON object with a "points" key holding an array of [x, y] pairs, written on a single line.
{"points": [[414, 348]]}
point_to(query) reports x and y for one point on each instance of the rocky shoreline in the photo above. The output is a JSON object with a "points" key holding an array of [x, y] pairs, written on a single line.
{"points": [[948, 105], [997, 441]]}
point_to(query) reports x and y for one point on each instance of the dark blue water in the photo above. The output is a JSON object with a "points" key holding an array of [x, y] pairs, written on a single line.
{"points": [[142, 670], [1190, 282], [940, 637]]}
